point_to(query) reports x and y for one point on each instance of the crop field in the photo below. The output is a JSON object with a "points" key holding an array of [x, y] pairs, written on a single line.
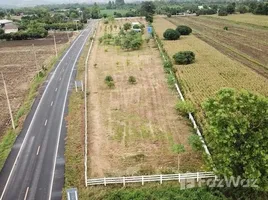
{"points": [[212, 69], [247, 18], [17, 63], [132, 127], [240, 42], [110, 12]]}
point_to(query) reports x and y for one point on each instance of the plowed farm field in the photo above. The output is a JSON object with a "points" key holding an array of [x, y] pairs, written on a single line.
{"points": [[246, 44], [212, 69], [17, 63], [132, 127]]}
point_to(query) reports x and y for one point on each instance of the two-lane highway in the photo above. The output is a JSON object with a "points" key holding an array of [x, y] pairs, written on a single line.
{"points": [[35, 166]]}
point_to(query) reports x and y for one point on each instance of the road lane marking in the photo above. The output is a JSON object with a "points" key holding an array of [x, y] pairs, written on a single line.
{"points": [[33, 119], [46, 122], [51, 103], [62, 116], [26, 193], [56, 89], [38, 151]]}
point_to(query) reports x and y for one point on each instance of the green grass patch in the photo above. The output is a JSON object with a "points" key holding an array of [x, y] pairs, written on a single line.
{"points": [[111, 12]]}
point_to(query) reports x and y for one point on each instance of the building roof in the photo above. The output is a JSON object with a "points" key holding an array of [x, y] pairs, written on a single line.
{"points": [[10, 26], [5, 21]]}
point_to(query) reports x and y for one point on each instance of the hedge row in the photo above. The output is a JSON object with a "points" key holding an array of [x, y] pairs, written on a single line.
{"points": [[24, 35]]}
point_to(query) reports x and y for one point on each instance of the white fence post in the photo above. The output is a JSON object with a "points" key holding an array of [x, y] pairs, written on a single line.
{"points": [[161, 179], [142, 180], [197, 176], [179, 178], [104, 179], [124, 182]]}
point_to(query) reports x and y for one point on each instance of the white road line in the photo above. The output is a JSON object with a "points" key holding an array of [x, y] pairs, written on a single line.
{"points": [[62, 117], [38, 150], [51, 103], [56, 89], [26, 193], [31, 123], [46, 122]]}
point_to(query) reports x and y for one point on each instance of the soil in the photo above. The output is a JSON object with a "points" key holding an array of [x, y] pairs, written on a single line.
{"points": [[243, 43], [132, 127]]}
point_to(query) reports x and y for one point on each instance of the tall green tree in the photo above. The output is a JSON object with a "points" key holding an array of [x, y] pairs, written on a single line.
{"points": [[95, 11], [237, 134], [119, 2]]}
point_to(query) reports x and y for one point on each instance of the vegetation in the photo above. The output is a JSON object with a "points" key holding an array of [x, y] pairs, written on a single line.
{"points": [[184, 57], [185, 107], [132, 80], [127, 26], [109, 81], [184, 30], [195, 142], [171, 34], [238, 135], [225, 28]]}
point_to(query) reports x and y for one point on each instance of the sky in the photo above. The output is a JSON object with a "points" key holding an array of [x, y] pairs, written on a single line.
{"points": [[20, 3]]}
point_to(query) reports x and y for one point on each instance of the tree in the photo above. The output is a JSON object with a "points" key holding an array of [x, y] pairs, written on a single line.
{"points": [[222, 12], [2, 14], [237, 134], [230, 8], [171, 34], [95, 11], [184, 30], [127, 26], [178, 149], [119, 2], [147, 8], [184, 57], [109, 6], [242, 9], [1, 31]]}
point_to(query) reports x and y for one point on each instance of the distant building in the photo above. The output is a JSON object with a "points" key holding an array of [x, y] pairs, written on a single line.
{"points": [[8, 26]]}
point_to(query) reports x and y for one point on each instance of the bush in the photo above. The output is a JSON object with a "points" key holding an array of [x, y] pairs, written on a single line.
{"points": [[184, 30], [149, 18], [222, 12], [225, 28], [109, 81], [184, 57], [106, 21], [136, 26], [171, 34], [168, 15], [132, 80], [127, 26], [195, 142], [185, 107]]}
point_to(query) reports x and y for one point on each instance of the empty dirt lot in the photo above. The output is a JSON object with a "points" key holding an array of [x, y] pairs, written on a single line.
{"points": [[17, 63], [132, 127]]}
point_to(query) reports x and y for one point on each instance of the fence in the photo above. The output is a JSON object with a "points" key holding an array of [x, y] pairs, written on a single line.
{"points": [[151, 178]]}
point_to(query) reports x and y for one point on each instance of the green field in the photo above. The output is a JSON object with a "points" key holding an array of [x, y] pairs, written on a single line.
{"points": [[111, 12]]}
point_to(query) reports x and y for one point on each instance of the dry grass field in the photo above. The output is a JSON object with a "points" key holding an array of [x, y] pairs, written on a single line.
{"points": [[212, 69], [133, 127], [17, 63], [248, 18], [241, 42]]}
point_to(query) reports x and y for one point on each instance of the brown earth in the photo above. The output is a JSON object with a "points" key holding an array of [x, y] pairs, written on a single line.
{"points": [[17, 64], [133, 127]]}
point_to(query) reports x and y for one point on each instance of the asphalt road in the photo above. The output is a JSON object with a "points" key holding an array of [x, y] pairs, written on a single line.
{"points": [[35, 167]]}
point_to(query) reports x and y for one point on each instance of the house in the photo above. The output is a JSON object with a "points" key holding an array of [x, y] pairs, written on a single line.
{"points": [[8, 26], [11, 28]]}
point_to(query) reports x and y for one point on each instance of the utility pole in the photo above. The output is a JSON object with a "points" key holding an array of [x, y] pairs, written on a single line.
{"points": [[56, 51], [8, 103], [68, 35], [35, 58]]}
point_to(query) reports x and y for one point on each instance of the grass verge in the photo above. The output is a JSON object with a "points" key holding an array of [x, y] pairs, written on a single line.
{"points": [[10, 136]]}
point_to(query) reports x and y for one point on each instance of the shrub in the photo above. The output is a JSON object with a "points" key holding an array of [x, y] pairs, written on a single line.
{"points": [[109, 81], [171, 34], [127, 26], [195, 142], [222, 12], [132, 80], [106, 21], [225, 28], [168, 15], [185, 107], [184, 57], [184, 30], [149, 18]]}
